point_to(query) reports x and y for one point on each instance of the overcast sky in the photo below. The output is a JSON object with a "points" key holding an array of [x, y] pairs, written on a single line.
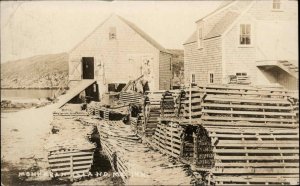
{"points": [[45, 27]]}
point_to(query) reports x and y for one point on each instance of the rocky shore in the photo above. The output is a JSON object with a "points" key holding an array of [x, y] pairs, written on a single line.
{"points": [[13, 105]]}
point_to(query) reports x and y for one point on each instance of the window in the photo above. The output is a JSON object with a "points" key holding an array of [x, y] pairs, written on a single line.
{"points": [[276, 4], [193, 78], [170, 64], [211, 77], [112, 33], [200, 37], [241, 74], [245, 34]]}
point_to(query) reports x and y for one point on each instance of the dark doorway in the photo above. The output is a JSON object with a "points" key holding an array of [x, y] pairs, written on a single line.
{"points": [[87, 68], [92, 92]]}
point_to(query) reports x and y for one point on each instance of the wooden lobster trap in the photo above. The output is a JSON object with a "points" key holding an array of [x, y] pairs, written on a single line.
{"points": [[70, 163], [247, 156]]}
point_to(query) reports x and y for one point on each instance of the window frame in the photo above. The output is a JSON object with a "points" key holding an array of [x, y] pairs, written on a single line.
{"points": [[112, 33], [211, 77], [193, 77], [245, 35], [278, 4], [200, 35]]}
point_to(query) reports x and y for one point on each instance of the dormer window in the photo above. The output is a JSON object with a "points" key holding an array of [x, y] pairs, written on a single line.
{"points": [[112, 33], [245, 34], [200, 36], [276, 4]]}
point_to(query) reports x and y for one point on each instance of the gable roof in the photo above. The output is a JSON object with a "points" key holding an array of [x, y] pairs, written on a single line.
{"points": [[132, 26], [144, 35], [223, 4], [223, 25], [219, 28], [192, 38]]}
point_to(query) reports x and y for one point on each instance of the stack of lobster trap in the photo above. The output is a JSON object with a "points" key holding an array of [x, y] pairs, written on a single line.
{"points": [[70, 149], [231, 135]]}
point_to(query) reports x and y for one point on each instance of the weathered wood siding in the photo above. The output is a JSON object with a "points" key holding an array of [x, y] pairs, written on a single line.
{"points": [[211, 21], [271, 40], [262, 10], [165, 71], [202, 61], [118, 60], [239, 58]]}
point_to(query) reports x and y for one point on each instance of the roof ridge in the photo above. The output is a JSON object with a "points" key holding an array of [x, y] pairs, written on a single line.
{"points": [[95, 29], [221, 6], [143, 34]]}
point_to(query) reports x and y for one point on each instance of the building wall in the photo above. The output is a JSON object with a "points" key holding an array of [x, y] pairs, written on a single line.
{"points": [[280, 77], [203, 61], [238, 58], [165, 71], [211, 21], [262, 10], [274, 37], [116, 61]]}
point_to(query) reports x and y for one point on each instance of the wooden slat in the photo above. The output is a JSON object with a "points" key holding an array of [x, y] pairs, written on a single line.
{"points": [[248, 112], [246, 119], [244, 100], [66, 154], [68, 163], [264, 164], [257, 170], [68, 168], [256, 151], [245, 106], [270, 158], [258, 178], [68, 158]]}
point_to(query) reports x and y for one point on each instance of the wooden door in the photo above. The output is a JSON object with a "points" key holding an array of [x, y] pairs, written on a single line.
{"points": [[87, 68]]}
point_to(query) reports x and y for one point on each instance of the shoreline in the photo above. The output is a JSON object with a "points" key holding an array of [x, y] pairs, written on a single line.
{"points": [[34, 88]]}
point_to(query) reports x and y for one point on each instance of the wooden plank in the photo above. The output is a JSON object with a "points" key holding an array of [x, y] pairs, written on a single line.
{"points": [[245, 106], [258, 178], [230, 135], [257, 171], [68, 168], [264, 164], [226, 143], [256, 151], [258, 158], [253, 124], [247, 112], [258, 142], [205, 117], [66, 154], [68, 163], [254, 130], [244, 100], [67, 158]]}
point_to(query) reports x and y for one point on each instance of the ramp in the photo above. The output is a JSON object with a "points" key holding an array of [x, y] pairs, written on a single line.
{"points": [[83, 84], [286, 66]]}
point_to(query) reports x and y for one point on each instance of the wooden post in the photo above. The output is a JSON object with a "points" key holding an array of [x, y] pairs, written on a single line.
{"points": [[190, 102], [71, 168], [195, 148]]}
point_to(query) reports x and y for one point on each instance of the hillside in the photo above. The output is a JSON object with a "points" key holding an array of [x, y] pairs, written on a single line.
{"points": [[177, 60], [178, 66], [43, 71]]}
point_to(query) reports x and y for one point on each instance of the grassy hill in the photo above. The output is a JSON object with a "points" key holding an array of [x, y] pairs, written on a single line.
{"points": [[43, 71], [178, 66]]}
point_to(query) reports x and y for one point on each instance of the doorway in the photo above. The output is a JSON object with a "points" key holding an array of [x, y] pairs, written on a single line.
{"points": [[87, 68]]}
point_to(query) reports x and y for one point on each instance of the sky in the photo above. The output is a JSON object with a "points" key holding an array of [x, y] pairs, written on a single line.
{"points": [[30, 28]]}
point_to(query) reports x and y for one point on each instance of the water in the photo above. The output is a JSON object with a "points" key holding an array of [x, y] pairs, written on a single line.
{"points": [[27, 93]]}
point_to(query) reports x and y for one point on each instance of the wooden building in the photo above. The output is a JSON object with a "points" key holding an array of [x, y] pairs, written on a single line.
{"points": [[116, 52], [251, 42]]}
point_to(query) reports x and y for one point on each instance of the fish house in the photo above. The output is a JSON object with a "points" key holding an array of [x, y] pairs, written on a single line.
{"points": [[115, 53]]}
